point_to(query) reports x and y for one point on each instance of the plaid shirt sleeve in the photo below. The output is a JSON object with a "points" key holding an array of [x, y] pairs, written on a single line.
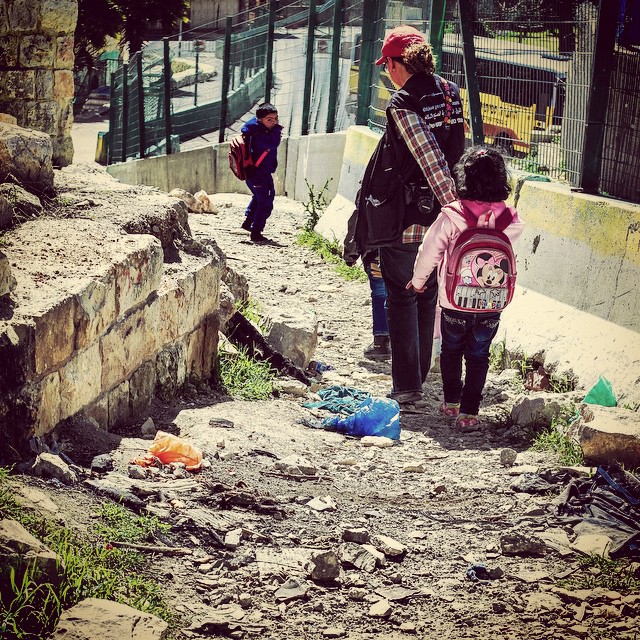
{"points": [[424, 147]]}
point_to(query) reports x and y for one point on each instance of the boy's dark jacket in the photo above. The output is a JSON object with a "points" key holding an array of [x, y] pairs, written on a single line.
{"points": [[263, 139], [425, 95]]}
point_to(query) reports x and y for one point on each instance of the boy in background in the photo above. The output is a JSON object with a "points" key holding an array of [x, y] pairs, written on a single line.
{"points": [[265, 134]]}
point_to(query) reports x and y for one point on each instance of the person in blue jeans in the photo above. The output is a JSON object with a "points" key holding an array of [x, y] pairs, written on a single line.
{"points": [[380, 348], [265, 134], [483, 184]]}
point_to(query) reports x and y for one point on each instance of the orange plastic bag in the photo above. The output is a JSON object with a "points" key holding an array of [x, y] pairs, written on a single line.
{"points": [[169, 448]]}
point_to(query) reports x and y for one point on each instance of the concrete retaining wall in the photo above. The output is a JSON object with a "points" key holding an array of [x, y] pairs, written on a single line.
{"points": [[315, 157], [579, 258]]}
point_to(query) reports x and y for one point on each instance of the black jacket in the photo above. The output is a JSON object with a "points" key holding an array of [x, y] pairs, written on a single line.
{"points": [[425, 95]]}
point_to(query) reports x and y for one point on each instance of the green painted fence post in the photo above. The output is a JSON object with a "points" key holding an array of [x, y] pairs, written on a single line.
{"points": [[167, 96], [603, 65], [471, 71], [125, 111], [372, 11], [338, 12], [112, 119], [308, 74], [268, 81], [436, 30], [226, 76], [141, 134]]}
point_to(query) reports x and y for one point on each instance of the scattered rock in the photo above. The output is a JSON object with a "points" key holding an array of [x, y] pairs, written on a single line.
{"points": [[52, 466], [325, 566], [377, 441], [322, 504], [296, 465], [102, 463], [519, 544], [292, 589], [389, 546], [508, 457], [380, 609]]}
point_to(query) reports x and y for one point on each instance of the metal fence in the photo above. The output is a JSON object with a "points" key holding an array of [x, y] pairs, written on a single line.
{"points": [[554, 83]]}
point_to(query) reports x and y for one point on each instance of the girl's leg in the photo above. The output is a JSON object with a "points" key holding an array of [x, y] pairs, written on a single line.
{"points": [[482, 330], [454, 337]]}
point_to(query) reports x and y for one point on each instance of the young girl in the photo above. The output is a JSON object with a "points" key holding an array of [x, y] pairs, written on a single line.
{"points": [[483, 184]]}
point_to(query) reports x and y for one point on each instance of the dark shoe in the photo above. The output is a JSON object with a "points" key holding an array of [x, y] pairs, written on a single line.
{"points": [[256, 236], [246, 225], [379, 349], [405, 397]]}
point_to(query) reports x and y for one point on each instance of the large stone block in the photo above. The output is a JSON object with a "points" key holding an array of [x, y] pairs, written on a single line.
{"points": [[17, 85], [44, 84], [63, 84], [22, 15], [129, 343], [195, 352], [119, 411], [139, 273], [99, 411], [59, 16], [210, 345], [16, 355], [96, 309], [79, 382], [37, 50], [8, 51], [64, 52], [94, 618], [54, 334], [26, 155], [207, 291], [7, 281], [294, 333], [612, 435], [142, 387], [42, 116], [48, 404]]}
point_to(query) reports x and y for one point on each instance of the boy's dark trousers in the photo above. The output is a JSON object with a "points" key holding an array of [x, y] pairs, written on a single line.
{"points": [[261, 205], [467, 335]]}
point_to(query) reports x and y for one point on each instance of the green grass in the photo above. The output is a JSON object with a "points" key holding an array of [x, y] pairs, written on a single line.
{"points": [[88, 567], [243, 377], [252, 311], [597, 571], [330, 253], [555, 439]]}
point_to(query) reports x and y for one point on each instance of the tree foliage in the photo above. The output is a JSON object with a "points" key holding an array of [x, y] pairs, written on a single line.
{"points": [[128, 19]]}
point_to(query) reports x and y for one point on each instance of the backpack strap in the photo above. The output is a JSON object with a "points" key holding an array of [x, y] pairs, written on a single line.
{"points": [[263, 155], [503, 219]]}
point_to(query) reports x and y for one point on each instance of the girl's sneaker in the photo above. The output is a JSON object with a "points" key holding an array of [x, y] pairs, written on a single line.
{"points": [[450, 409], [467, 422]]}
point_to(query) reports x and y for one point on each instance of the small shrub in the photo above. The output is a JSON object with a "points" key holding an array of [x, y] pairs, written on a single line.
{"points": [[244, 377], [252, 311], [120, 525], [316, 205]]}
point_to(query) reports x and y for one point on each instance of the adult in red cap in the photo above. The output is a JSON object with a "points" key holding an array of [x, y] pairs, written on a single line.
{"points": [[424, 119]]}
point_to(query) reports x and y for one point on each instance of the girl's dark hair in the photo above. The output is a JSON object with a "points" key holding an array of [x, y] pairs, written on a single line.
{"points": [[481, 174]]}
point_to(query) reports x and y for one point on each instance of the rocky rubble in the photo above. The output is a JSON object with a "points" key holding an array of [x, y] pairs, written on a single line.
{"points": [[292, 532]]}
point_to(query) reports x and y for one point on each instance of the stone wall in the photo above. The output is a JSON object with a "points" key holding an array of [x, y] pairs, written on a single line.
{"points": [[36, 68], [108, 310]]}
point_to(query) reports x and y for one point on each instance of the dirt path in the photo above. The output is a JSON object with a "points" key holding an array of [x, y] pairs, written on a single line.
{"points": [[443, 497]]}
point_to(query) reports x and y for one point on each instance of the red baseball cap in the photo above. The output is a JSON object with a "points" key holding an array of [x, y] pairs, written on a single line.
{"points": [[397, 40]]}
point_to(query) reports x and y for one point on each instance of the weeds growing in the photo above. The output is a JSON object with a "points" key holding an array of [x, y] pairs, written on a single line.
{"points": [[555, 439], [88, 566], [331, 254], [597, 571], [244, 377]]}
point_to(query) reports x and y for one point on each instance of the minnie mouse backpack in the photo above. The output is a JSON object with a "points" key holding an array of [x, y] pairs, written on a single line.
{"points": [[481, 268]]}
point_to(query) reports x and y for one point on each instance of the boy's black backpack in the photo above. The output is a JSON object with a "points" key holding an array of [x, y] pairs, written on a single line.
{"points": [[240, 160]]}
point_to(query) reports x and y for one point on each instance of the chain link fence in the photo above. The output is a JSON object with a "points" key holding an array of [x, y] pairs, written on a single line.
{"points": [[528, 66]]}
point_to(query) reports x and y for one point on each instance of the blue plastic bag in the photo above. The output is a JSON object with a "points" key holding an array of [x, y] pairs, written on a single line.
{"points": [[373, 417]]}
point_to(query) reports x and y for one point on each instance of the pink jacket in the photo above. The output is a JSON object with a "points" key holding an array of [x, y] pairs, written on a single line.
{"points": [[441, 236]]}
